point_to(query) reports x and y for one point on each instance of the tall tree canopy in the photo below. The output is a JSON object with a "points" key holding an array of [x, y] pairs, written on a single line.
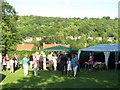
{"points": [[9, 32]]}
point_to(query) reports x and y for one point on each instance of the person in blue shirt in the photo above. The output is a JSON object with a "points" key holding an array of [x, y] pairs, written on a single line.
{"points": [[74, 65], [25, 65]]}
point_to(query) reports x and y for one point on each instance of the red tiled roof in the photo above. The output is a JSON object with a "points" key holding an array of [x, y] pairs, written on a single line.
{"points": [[52, 45], [49, 45], [25, 47]]}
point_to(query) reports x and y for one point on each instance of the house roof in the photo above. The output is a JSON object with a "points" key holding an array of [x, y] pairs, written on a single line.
{"points": [[25, 46], [52, 45], [49, 45]]}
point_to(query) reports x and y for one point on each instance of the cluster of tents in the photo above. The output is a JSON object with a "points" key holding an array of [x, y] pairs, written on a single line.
{"points": [[104, 48]]}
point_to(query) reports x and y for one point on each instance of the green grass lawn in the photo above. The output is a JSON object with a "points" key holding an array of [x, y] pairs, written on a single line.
{"points": [[51, 79]]}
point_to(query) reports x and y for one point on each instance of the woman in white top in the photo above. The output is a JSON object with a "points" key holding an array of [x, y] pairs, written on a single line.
{"points": [[54, 58], [11, 61]]}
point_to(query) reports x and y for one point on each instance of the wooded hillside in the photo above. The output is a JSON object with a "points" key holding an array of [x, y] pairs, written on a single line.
{"points": [[57, 29]]}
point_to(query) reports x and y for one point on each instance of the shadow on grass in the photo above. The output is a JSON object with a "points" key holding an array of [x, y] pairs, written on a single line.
{"points": [[2, 76], [47, 80]]}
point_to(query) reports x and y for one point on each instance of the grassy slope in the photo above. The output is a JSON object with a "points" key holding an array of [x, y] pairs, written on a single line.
{"points": [[85, 79]]}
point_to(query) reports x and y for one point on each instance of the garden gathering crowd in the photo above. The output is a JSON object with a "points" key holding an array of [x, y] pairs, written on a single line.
{"points": [[7, 63], [38, 61]]}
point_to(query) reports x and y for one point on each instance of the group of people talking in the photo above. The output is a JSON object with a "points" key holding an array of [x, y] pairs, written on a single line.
{"points": [[64, 63], [7, 63]]}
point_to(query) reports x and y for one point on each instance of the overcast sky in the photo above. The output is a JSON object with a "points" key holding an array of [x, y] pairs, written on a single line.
{"points": [[66, 8]]}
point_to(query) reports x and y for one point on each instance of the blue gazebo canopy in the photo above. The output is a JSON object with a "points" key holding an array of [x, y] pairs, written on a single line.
{"points": [[105, 48]]}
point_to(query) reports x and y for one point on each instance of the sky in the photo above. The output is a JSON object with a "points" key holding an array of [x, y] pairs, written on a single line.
{"points": [[66, 8]]}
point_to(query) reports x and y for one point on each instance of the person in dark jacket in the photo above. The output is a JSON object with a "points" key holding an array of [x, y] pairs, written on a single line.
{"points": [[15, 59], [63, 62], [31, 61]]}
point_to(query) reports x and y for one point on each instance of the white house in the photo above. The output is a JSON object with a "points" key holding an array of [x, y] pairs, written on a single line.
{"points": [[110, 39], [38, 38], [99, 38], [27, 39], [73, 37], [91, 38]]}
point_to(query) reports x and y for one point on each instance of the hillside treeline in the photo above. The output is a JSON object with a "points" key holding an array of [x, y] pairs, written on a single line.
{"points": [[57, 29]]}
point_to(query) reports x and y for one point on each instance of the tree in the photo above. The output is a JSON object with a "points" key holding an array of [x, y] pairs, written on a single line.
{"points": [[10, 35]]}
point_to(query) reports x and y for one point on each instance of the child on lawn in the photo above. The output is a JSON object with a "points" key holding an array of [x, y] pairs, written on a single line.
{"points": [[69, 68]]}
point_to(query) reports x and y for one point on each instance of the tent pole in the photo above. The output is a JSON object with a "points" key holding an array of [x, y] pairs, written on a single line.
{"points": [[107, 54]]}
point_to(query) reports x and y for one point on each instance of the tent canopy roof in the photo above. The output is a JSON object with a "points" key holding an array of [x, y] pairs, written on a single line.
{"points": [[103, 48], [57, 48]]}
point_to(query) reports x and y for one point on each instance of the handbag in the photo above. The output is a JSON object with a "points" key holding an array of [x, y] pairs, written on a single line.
{"points": [[77, 62]]}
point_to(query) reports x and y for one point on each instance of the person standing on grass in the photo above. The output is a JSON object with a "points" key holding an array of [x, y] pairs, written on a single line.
{"points": [[77, 62], [90, 61], [4, 63], [44, 61], [58, 61], [50, 61], [11, 61], [41, 61], [74, 65], [69, 67], [64, 63], [37, 56], [54, 58], [16, 60], [7, 61], [15, 65], [31, 61], [35, 65], [0, 61], [25, 65]]}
